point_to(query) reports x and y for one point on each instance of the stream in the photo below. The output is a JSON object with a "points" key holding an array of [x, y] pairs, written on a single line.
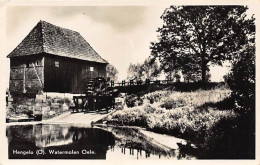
{"points": [[67, 141]]}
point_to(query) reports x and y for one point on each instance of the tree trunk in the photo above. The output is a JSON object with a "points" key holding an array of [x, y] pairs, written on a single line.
{"points": [[203, 69], [203, 74]]}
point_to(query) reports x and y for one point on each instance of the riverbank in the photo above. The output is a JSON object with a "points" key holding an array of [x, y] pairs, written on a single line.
{"points": [[201, 117], [68, 118], [127, 136], [140, 139], [164, 141]]}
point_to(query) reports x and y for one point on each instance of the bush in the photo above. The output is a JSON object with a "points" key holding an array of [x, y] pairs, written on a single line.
{"points": [[149, 109], [133, 100], [172, 103], [241, 81], [172, 113], [130, 116], [156, 96]]}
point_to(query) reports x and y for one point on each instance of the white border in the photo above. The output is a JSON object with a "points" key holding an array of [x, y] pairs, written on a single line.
{"points": [[3, 142]]}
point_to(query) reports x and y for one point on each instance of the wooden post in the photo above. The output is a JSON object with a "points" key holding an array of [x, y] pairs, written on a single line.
{"points": [[112, 83], [37, 75], [147, 81], [131, 82], [24, 90]]}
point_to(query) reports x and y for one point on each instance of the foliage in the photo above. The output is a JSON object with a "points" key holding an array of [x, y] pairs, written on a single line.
{"points": [[112, 72], [195, 75], [131, 116], [192, 122], [133, 100], [190, 42], [203, 118], [171, 103], [147, 70], [239, 133], [242, 80], [231, 138], [196, 98], [173, 75], [133, 72], [156, 96]]}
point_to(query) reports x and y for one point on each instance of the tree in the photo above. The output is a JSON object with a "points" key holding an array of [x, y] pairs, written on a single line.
{"points": [[133, 72], [147, 70], [192, 37], [241, 80], [112, 72], [195, 75]]}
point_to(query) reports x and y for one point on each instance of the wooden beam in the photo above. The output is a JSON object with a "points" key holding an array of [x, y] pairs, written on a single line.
{"points": [[24, 90], [37, 75]]}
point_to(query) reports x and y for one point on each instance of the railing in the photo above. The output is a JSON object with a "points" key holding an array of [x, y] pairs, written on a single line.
{"points": [[139, 82]]}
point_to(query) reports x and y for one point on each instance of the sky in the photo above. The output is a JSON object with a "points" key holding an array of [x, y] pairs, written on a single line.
{"points": [[120, 34]]}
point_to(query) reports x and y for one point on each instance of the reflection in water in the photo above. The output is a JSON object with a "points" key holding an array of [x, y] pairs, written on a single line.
{"points": [[54, 141], [58, 141]]}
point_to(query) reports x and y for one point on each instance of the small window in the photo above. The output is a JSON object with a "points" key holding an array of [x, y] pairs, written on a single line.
{"points": [[91, 68], [37, 63], [57, 64]]}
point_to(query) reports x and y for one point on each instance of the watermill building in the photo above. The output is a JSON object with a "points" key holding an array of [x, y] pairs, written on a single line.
{"points": [[53, 59]]}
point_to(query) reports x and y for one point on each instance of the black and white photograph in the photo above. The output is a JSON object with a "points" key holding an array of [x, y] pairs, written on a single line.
{"points": [[159, 81]]}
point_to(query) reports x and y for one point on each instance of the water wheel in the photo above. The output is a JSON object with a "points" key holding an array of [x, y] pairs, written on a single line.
{"points": [[97, 86]]}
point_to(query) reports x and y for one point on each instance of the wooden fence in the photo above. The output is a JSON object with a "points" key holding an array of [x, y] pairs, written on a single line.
{"points": [[139, 83]]}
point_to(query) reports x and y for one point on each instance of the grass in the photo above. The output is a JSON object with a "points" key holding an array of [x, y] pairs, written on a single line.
{"points": [[189, 115]]}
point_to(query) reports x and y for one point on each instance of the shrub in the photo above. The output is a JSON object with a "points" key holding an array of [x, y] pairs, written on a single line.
{"points": [[172, 113], [156, 96], [149, 109], [133, 100], [129, 116], [241, 81], [171, 103]]}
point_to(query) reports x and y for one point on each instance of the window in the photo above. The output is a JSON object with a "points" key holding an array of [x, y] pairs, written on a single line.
{"points": [[91, 69], [57, 64], [37, 63]]}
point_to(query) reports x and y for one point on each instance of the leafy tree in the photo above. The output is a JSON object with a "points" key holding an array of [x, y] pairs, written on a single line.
{"points": [[241, 80], [149, 69], [173, 75], [192, 37], [112, 72], [194, 75], [133, 72]]}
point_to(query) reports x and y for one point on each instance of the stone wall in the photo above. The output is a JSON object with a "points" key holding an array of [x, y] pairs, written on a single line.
{"points": [[41, 107]]}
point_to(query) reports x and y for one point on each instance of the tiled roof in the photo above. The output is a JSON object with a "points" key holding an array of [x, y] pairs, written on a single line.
{"points": [[51, 39]]}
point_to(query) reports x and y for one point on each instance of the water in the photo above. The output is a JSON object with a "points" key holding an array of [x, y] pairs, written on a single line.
{"points": [[63, 141]]}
